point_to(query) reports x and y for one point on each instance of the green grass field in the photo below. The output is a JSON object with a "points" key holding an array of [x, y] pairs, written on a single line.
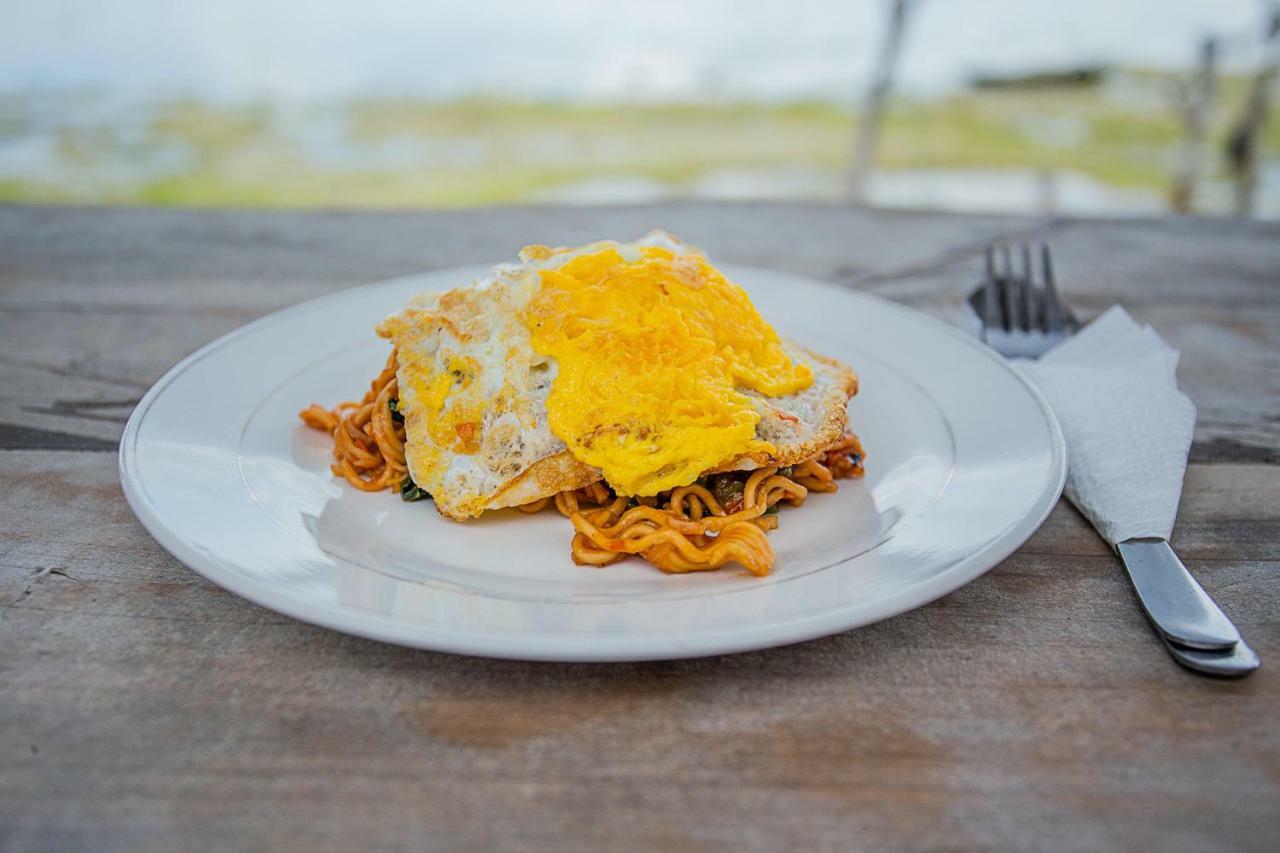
{"points": [[399, 153]]}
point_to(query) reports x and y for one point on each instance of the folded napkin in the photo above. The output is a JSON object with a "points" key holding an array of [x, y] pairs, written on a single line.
{"points": [[1114, 387]]}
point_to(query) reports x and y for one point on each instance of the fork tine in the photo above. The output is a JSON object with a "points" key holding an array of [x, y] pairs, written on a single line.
{"points": [[1031, 301], [1054, 318], [989, 298], [1008, 291], [990, 308]]}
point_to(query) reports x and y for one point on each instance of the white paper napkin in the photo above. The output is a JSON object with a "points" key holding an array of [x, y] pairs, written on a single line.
{"points": [[1114, 387]]}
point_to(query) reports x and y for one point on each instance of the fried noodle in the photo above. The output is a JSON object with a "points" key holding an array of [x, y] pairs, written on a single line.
{"points": [[687, 529]]}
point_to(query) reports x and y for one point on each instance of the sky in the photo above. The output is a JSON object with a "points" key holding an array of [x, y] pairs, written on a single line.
{"points": [[655, 49]]}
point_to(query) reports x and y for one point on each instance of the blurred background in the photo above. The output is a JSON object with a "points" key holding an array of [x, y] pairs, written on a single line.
{"points": [[1093, 107]]}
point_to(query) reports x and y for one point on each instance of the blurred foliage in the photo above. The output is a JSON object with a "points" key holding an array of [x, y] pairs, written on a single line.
{"points": [[395, 152]]}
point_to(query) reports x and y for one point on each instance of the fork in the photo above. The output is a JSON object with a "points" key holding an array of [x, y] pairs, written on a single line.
{"points": [[1022, 316]]}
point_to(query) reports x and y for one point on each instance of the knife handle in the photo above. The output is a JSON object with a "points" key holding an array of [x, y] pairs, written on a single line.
{"points": [[1180, 609]]}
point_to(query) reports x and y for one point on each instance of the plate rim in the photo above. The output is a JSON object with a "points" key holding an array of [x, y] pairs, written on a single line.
{"points": [[800, 628]]}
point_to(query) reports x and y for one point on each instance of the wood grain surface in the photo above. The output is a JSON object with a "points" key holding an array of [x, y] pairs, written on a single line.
{"points": [[141, 707]]}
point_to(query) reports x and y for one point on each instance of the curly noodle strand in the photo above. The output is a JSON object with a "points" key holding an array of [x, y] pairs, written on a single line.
{"points": [[684, 530]]}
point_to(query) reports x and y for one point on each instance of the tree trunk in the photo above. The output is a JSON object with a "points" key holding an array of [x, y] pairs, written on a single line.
{"points": [[1196, 103], [864, 151], [1244, 142]]}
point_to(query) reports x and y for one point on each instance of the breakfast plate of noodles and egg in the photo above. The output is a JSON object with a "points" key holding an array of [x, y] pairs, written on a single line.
{"points": [[607, 451]]}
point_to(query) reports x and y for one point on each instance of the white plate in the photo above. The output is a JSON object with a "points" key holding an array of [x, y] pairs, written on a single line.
{"points": [[965, 460]]}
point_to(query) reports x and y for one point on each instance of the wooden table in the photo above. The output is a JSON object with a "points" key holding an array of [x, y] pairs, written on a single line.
{"points": [[143, 707]]}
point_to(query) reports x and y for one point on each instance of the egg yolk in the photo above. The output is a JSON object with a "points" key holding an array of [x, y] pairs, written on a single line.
{"points": [[653, 357]]}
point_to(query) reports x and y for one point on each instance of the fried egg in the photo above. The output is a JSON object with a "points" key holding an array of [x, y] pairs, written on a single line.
{"points": [[637, 363]]}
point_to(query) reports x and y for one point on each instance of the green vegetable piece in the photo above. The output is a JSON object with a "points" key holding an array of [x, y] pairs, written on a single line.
{"points": [[728, 491], [411, 491]]}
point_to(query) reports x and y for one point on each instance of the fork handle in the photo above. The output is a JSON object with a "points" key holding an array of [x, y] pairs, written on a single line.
{"points": [[1180, 609]]}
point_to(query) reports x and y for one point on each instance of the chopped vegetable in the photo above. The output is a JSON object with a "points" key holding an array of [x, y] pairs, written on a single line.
{"points": [[728, 490], [411, 491], [394, 405]]}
